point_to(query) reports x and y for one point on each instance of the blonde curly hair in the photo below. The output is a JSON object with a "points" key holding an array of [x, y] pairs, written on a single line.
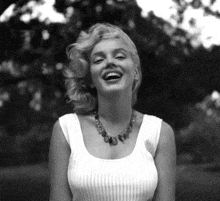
{"points": [[77, 73]]}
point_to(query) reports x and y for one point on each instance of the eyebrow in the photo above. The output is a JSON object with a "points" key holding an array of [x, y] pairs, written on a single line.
{"points": [[100, 53]]}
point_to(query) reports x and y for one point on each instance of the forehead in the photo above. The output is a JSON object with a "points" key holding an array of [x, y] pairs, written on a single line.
{"points": [[111, 44]]}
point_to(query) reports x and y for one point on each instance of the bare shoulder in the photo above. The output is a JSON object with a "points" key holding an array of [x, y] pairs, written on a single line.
{"points": [[86, 121], [58, 164], [166, 149], [139, 117], [58, 143], [166, 145], [166, 134], [89, 118], [56, 126], [57, 130], [165, 160], [58, 135]]}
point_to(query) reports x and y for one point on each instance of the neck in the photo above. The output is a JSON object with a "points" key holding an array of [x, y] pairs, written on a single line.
{"points": [[115, 108]]}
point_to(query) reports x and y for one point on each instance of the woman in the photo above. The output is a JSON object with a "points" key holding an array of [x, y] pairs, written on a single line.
{"points": [[106, 150]]}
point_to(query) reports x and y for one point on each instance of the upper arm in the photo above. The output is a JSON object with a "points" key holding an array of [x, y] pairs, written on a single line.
{"points": [[165, 160], [58, 164]]}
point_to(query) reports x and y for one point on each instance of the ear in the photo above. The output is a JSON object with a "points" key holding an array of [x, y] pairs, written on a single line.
{"points": [[136, 74]]}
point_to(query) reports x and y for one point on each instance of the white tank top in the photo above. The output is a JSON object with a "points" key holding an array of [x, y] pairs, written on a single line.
{"points": [[131, 178]]}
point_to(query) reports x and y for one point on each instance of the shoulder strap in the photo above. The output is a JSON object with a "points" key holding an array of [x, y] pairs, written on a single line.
{"points": [[151, 132], [70, 126]]}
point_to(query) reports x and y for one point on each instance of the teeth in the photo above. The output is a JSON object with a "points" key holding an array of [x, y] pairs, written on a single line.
{"points": [[112, 75]]}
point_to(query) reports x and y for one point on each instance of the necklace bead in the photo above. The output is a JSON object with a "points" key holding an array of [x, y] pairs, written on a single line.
{"points": [[121, 136], [106, 139], [104, 134], [114, 141]]}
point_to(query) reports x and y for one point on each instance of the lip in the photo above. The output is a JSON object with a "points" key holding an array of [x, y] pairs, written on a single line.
{"points": [[116, 72]]}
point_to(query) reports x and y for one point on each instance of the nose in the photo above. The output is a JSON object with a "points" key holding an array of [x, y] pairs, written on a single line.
{"points": [[110, 62], [110, 65]]}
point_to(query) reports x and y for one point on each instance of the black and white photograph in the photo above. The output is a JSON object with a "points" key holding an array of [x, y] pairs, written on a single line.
{"points": [[109, 100]]}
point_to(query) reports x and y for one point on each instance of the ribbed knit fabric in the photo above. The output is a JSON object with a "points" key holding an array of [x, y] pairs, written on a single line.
{"points": [[131, 178]]}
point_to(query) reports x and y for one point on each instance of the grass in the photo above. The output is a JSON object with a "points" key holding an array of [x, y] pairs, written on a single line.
{"points": [[197, 183], [24, 183], [31, 183]]}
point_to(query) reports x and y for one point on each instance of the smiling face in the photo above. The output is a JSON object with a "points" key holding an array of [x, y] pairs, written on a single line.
{"points": [[111, 66]]}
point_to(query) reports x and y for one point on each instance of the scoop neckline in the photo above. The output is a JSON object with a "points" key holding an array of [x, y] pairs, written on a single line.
{"points": [[85, 150]]}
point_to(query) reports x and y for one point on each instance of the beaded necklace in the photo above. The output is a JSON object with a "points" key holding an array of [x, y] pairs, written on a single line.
{"points": [[121, 136]]}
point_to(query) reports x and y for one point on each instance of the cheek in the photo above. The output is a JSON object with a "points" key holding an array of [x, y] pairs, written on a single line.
{"points": [[93, 73], [94, 76], [131, 68]]}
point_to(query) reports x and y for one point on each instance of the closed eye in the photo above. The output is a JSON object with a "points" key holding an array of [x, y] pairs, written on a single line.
{"points": [[120, 56], [98, 60]]}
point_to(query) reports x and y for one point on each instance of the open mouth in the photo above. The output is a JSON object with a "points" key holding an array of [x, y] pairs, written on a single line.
{"points": [[112, 76]]}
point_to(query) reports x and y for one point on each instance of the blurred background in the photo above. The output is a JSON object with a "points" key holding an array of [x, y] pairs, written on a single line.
{"points": [[179, 46]]}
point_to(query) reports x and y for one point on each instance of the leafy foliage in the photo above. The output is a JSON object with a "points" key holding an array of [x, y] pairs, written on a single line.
{"points": [[201, 137], [32, 91], [183, 5]]}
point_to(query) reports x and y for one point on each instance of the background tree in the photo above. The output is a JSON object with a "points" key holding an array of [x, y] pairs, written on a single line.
{"points": [[32, 92]]}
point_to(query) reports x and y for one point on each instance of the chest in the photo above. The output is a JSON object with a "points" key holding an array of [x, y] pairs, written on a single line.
{"points": [[92, 175], [127, 178], [94, 143]]}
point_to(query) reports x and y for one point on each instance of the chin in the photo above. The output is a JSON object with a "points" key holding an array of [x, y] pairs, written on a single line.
{"points": [[116, 89], [114, 86]]}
